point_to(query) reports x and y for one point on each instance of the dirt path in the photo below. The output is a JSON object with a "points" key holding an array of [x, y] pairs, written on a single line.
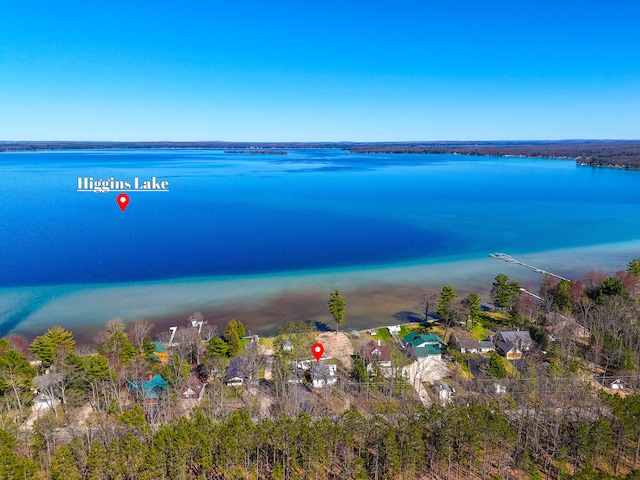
{"points": [[428, 369], [337, 346]]}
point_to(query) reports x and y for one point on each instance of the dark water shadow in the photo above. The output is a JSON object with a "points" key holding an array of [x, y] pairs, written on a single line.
{"points": [[408, 317], [323, 327], [15, 319]]}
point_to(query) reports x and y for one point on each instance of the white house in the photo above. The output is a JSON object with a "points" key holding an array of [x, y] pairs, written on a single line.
{"points": [[394, 330], [322, 375]]}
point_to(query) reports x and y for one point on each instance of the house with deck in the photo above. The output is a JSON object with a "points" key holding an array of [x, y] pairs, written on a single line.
{"points": [[519, 338], [237, 373]]}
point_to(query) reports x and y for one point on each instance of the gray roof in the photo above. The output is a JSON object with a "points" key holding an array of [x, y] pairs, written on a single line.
{"points": [[320, 371], [514, 335], [468, 343], [505, 347], [44, 381], [239, 367]]}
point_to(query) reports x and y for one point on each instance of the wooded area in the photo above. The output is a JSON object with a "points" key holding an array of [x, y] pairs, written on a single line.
{"points": [[598, 153], [129, 407]]}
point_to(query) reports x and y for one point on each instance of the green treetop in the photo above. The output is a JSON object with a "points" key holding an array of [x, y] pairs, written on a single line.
{"points": [[15, 375], [474, 307], [633, 267], [446, 308], [116, 343], [337, 305], [232, 335], [54, 344], [505, 292]]}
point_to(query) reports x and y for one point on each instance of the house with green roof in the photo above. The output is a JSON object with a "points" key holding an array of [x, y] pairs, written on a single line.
{"points": [[425, 345], [150, 389]]}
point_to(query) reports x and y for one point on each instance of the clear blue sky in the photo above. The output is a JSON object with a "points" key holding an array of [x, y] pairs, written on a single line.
{"points": [[319, 71]]}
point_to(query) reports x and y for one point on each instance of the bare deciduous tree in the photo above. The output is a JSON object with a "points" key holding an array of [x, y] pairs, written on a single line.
{"points": [[139, 330]]}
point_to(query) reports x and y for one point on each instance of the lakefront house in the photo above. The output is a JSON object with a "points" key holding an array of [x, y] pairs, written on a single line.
{"points": [[422, 346]]}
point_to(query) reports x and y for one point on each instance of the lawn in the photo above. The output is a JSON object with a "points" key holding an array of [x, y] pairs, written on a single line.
{"points": [[479, 332], [404, 330], [508, 366], [495, 319], [383, 333], [496, 316], [266, 342]]}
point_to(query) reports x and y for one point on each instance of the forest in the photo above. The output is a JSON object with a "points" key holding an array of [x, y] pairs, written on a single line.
{"points": [[130, 407]]}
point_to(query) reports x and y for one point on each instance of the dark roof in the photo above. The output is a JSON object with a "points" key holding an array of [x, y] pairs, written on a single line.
{"points": [[193, 384], [239, 367], [514, 335], [504, 346], [319, 370], [297, 374], [468, 343], [369, 352]]}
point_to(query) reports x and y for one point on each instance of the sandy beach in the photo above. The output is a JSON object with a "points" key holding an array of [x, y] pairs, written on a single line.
{"points": [[376, 295]]}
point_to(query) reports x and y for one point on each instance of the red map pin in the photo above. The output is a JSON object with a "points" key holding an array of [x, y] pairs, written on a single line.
{"points": [[123, 201], [317, 349]]}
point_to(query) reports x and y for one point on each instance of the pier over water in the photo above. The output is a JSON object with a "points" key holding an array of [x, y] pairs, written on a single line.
{"points": [[510, 259]]}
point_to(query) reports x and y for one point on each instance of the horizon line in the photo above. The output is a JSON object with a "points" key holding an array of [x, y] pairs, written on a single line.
{"points": [[229, 142]]}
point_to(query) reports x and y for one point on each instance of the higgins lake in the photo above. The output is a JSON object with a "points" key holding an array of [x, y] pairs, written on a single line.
{"points": [[263, 237]]}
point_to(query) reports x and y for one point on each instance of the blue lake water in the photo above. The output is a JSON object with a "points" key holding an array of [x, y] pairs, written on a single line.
{"points": [[230, 216]]}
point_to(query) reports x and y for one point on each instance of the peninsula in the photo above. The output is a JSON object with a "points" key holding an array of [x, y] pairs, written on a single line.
{"points": [[596, 153]]}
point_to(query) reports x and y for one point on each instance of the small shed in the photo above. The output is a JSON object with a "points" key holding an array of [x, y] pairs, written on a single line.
{"points": [[443, 391]]}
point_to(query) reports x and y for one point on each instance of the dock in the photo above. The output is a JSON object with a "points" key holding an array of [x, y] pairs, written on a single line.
{"points": [[509, 259]]}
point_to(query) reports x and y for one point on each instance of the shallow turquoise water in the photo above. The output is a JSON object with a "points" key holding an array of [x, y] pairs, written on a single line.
{"points": [[245, 215]]}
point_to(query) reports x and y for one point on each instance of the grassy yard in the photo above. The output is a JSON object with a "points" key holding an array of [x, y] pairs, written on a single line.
{"points": [[462, 369], [266, 342], [508, 366], [479, 332], [438, 330], [405, 330], [383, 333], [496, 316], [495, 320]]}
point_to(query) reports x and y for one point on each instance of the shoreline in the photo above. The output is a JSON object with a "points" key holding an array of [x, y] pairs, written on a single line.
{"points": [[595, 153], [376, 295]]}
